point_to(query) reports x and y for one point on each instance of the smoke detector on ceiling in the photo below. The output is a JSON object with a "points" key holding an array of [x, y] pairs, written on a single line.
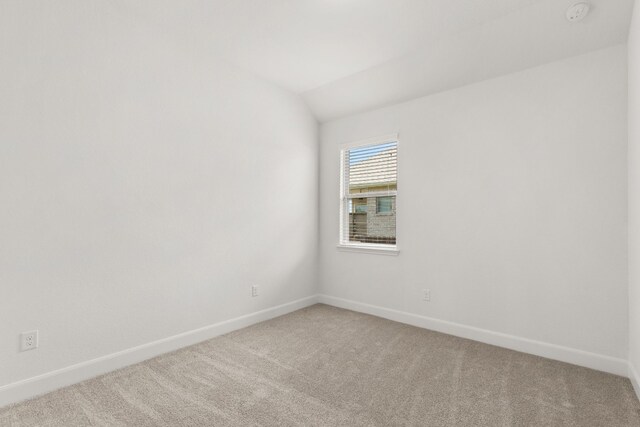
{"points": [[578, 12]]}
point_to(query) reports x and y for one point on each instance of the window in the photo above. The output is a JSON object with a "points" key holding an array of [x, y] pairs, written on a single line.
{"points": [[360, 205], [384, 205], [368, 193]]}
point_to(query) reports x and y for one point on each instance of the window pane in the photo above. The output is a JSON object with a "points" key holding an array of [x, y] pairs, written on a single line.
{"points": [[370, 178], [373, 168], [384, 204], [360, 205], [371, 225]]}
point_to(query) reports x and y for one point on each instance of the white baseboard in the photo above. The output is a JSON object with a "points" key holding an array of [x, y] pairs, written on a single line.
{"points": [[31, 387], [635, 379], [574, 356]]}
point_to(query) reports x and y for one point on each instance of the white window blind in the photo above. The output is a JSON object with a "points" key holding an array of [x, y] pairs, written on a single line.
{"points": [[369, 185]]}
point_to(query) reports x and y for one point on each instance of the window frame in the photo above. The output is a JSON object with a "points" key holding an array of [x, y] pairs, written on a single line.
{"points": [[343, 243]]}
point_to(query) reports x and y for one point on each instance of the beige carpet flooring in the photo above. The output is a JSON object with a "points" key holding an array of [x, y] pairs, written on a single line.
{"points": [[332, 367]]}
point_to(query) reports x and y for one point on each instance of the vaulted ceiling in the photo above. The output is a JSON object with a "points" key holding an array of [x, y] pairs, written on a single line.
{"points": [[346, 56]]}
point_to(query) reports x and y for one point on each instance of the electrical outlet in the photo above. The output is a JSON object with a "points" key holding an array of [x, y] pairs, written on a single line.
{"points": [[28, 340], [255, 290], [426, 295]]}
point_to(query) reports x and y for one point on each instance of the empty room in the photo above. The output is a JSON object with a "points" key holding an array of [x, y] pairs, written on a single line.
{"points": [[319, 213]]}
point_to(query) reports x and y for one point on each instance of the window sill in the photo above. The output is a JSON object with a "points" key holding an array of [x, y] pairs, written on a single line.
{"points": [[371, 249]]}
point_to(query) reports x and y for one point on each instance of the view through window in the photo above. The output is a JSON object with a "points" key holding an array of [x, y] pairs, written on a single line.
{"points": [[369, 188]]}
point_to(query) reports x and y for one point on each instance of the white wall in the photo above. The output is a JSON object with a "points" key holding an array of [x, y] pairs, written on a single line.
{"points": [[634, 196], [511, 206], [144, 185]]}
